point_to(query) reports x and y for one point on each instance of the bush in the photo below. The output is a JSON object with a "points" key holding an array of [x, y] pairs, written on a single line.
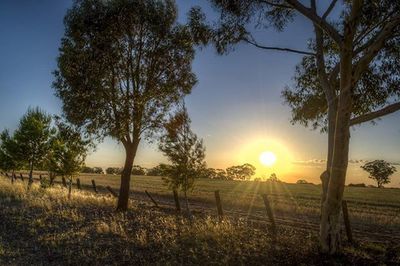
{"points": [[357, 185], [302, 181]]}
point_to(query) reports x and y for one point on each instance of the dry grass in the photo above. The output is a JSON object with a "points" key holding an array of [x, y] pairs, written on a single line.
{"points": [[43, 226]]}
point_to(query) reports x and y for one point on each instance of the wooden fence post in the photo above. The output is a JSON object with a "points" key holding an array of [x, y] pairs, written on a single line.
{"points": [[269, 212], [21, 176], [78, 183], [148, 195], [64, 182], [177, 204], [94, 186], [347, 221], [40, 178], [112, 191], [219, 206]]}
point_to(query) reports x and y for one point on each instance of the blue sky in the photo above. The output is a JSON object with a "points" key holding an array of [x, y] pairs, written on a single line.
{"points": [[236, 101]]}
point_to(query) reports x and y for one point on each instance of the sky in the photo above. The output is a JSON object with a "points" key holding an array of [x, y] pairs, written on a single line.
{"points": [[236, 107]]}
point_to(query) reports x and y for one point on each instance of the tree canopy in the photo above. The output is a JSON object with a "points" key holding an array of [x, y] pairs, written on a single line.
{"points": [[123, 65], [32, 138], [380, 171]]}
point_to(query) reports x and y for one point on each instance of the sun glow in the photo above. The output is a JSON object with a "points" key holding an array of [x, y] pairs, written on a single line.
{"points": [[268, 158], [267, 155]]}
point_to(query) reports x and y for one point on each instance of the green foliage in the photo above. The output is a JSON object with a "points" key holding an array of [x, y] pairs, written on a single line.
{"points": [[33, 137], [113, 170], [92, 170], [127, 61], [241, 172], [212, 173], [9, 159], [68, 151], [138, 170], [157, 170], [184, 150], [380, 171]]}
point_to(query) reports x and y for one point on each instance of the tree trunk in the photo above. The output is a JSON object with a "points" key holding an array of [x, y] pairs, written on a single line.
{"points": [[332, 109], [330, 226], [123, 199], [70, 188], [30, 181]]}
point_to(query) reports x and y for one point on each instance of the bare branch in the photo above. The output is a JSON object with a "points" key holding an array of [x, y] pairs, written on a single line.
{"points": [[275, 4], [321, 67], [328, 11], [375, 47], [313, 16], [278, 48], [374, 115]]}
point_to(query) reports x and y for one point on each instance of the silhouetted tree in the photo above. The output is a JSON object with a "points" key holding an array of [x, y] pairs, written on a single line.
{"points": [[185, 152], [33, 138], [157, 170], [273, 178], [123, 65], [380, 171], [362, 41], [241, 172]]}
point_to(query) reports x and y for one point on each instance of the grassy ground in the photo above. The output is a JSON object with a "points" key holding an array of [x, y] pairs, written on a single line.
{"points": [[371, 209], [44, 227]]}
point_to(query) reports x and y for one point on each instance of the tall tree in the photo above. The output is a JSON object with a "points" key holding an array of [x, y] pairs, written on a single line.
{"points": [[123, 65], [33, 138], [353, 55], [185, 151]]}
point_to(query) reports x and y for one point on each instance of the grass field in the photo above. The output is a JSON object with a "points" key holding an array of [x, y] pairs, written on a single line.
{"points": [[44, 227], [370, 209]]}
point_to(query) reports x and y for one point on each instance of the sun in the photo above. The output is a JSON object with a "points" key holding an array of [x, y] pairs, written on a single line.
{"points": [[267, 158]]}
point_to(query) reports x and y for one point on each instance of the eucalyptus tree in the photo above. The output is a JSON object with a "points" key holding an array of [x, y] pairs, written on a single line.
{"points": [[123, 64], [185, 151], [32, 138], [349, 74]]}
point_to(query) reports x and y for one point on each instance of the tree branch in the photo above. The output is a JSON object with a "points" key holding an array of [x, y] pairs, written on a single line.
{"points": [[375, 47], [320, 59], [328, 11], [373, 115], [275, 4], [278, 48], [312, 15]]}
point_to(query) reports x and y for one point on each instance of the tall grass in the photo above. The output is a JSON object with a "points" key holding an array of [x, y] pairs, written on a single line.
{"points": [[42, 226]]}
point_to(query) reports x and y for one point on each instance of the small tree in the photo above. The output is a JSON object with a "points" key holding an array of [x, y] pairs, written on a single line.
{"points": [[380, 171], [273, 178], [185, 152], [241, 172], [33, 138], [9, 160], [69, 151]]}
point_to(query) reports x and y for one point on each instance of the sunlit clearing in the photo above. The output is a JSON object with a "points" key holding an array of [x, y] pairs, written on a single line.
{"points": [[267, 158]]}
